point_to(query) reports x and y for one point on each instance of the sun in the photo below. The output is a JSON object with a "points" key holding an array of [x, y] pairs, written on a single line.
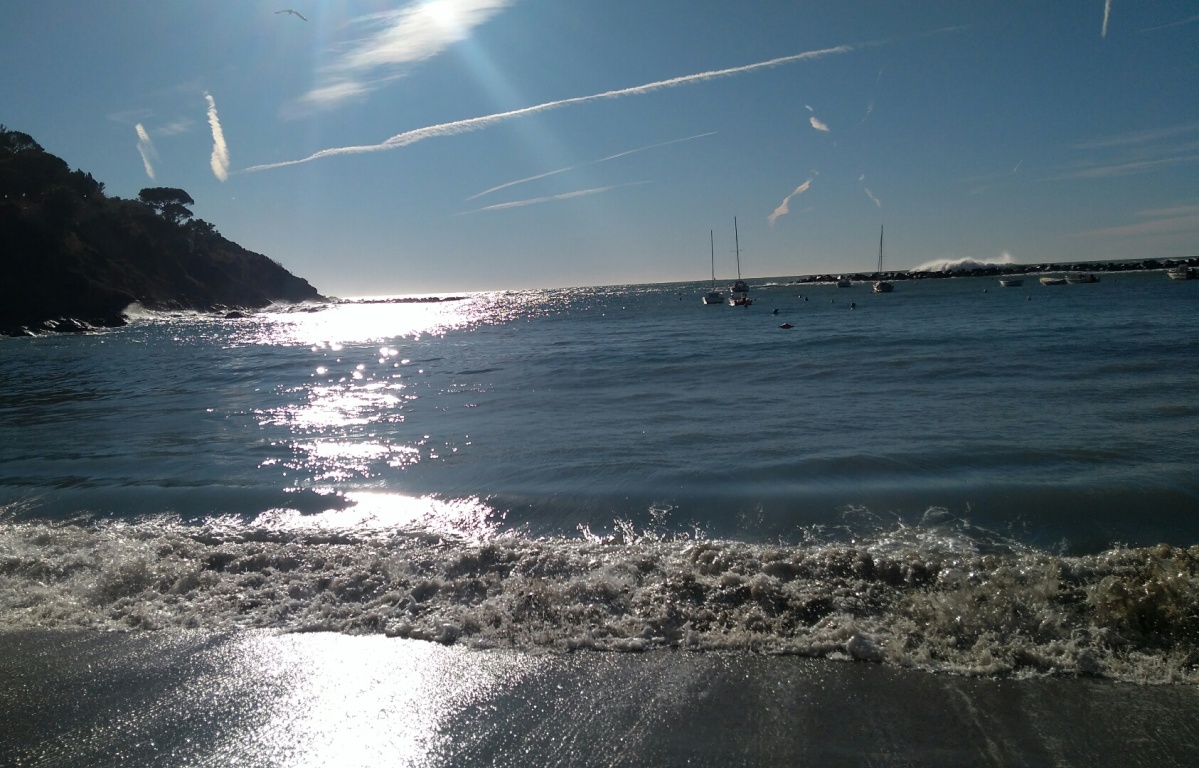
{"points": [[443, 13]]}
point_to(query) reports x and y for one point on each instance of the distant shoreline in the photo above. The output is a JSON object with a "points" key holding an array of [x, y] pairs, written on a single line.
{"points": [[1000, 270]]}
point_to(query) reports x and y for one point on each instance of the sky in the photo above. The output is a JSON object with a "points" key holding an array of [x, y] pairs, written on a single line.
{"points": [[382, 148]]}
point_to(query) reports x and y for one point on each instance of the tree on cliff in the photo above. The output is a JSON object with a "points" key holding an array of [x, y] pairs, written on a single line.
{"points": [[69, 251], [170, 202]]}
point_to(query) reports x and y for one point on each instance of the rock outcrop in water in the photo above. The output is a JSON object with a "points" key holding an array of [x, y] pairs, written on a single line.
{"points": [[73, 258]]}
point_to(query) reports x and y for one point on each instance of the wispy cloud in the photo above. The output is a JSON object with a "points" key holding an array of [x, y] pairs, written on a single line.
{"points": [[784, 208], [220, 151], [877, 80], [626, 153], [818, 124], [1189, 20], [1165, 221], [1107, 12], [1139, 137], [478, 123], [552, 198], [395, 38], [175, 128], [145, 148], [869, 194], [1135, 152], [1130, 168]]}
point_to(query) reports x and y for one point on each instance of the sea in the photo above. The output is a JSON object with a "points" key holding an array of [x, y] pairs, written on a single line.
{"points": [[956, 478], [955, 481]]}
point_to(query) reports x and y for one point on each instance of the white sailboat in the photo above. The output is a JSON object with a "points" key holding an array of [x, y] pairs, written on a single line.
{"points": [[713, 296], [740, 290], [881, 285]]}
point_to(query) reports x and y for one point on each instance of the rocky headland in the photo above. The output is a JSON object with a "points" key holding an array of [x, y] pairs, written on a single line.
{"points": [[73, 258]]}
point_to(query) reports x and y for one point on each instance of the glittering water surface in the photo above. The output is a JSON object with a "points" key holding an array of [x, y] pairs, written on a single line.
{"points": [[625, 467]]}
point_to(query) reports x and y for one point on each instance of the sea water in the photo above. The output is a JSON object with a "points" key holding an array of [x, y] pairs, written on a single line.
{"points": [[953, 477]]}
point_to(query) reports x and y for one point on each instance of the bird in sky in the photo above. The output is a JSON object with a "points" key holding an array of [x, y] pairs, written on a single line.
{"points": [[294, 13]]}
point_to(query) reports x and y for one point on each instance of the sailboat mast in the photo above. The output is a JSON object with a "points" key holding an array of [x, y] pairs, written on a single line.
{"points": [[737, 245], [712, 244], [880, 249]]}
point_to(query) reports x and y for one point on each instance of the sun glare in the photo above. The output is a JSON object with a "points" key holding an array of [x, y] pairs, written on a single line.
{"points": [[443, 13]]}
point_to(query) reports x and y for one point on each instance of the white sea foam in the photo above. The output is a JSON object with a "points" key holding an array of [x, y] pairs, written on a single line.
{"points": [[915, 597], [964, 264]]}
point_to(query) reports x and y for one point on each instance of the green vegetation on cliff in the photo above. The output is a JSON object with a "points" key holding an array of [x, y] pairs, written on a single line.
{"points": [[69, 251]]}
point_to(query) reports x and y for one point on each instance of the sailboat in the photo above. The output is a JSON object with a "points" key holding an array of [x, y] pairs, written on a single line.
{"points": [[880, 285], [713, 296], [740, 290]]}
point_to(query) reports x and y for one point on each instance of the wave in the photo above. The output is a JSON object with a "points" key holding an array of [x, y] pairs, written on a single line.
{"points": [[964, 264], [940, 596]]}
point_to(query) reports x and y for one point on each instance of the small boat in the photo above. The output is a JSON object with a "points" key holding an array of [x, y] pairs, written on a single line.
{"points": [[713, 297], [740, 290], [880, 285], [843, 282], [1078, 278], [1181, 272], [1053, 280], [1011, 282]]}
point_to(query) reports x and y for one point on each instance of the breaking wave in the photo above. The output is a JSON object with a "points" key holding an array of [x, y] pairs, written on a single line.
{"points": [[941, 596], [964, 264]]}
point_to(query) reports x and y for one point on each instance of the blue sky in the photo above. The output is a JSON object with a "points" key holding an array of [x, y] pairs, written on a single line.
{"points": [[386, 147]]}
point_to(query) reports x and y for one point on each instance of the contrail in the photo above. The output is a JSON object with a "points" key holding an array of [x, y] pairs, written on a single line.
{"points": [[145, 148], [783, 209], [220, 151], [1190, 20], [551, 198], [590, 162], [479, 123], [1107, 11]]}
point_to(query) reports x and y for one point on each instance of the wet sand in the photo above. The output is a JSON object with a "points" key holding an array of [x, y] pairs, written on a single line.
{"points": [[265, 699]]}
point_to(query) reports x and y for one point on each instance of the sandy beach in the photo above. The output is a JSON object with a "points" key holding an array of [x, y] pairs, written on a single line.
{"points": [[266, 699]]}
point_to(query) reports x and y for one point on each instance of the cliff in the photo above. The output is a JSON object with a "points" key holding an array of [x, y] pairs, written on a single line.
{"points": [[70, 256]]}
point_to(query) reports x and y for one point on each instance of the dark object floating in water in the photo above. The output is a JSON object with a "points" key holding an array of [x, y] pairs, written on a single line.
{"points": [[786, 325]]}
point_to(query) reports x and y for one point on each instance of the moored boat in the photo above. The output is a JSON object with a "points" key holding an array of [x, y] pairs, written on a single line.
{"points": [[1053, 280], [1181, 272], [713, 296], [740, 290], [1078, 278], [1011, 282], [880, 285]]}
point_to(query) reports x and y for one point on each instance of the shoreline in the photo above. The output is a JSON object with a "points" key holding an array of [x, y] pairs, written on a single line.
{"points": [[261, 698], [1002, 270]]}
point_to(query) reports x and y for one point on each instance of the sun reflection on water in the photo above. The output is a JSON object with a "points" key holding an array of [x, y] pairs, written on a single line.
{"points": [[375, 515], [327, 699], [359, 321]]}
